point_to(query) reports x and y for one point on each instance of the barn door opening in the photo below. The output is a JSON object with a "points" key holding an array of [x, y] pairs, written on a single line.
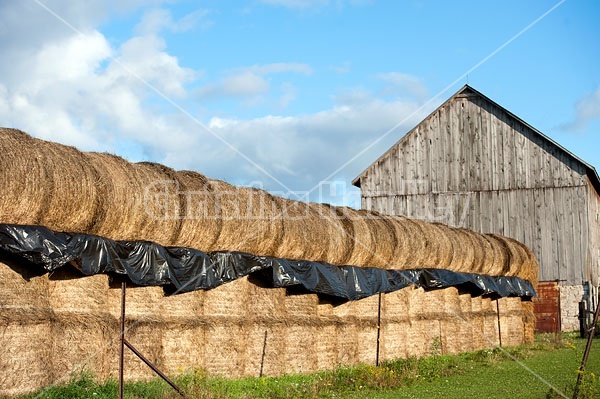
{"points": [[546, 307]]}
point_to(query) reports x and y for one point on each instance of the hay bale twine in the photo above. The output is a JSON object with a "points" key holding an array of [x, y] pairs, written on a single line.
{"points": [[250, 219], [201, 216], [22, 177]]}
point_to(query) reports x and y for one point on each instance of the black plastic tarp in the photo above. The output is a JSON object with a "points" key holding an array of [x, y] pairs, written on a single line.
{"points": [[181, 269]]}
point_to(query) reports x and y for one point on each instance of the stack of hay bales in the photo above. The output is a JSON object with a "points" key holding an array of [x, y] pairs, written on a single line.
{"points": [[66, 190], [54, 325]]}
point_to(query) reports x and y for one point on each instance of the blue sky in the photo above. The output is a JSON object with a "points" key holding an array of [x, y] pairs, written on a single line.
{"points": [[284, 94]]}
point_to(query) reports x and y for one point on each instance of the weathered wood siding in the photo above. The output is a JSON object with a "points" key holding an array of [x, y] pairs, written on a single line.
{"points": [[593, 255], [472, 164]]}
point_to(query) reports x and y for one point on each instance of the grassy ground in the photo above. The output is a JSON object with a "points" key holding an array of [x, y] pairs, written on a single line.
{"points": [[548, 368]]}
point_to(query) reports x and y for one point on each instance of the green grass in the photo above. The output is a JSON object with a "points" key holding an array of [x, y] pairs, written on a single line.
{"points": [[517, 372]]}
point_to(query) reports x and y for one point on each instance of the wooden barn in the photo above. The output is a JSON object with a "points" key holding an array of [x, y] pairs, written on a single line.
{"points": [[471, 163]]}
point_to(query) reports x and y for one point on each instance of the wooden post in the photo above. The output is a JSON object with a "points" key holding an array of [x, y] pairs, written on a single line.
{"points": [[378, 330], [122, 340], [262, 359], [588, 347], [499, 329]]}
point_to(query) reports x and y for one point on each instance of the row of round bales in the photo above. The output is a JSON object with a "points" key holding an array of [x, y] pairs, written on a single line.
{"points": [[57, 186]]}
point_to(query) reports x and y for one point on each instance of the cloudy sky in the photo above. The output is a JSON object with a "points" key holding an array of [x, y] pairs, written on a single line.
{"points": [[286, 94]]}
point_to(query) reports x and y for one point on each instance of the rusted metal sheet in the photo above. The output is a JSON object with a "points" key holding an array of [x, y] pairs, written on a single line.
{"points": [[546, 307]]}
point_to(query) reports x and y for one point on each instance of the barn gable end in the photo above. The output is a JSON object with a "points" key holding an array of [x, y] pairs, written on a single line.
{"points": [[471, 163]]}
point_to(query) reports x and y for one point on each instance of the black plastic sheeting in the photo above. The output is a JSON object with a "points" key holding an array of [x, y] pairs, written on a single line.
{"points": [[183, 269]]}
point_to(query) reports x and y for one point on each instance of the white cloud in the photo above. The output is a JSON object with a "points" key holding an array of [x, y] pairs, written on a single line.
{"points": [[587, 109], [402, 84], [155, 20], [250, 82]]}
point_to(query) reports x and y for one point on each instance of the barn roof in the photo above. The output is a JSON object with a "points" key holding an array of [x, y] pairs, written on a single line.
{"points": [[468, 90]]}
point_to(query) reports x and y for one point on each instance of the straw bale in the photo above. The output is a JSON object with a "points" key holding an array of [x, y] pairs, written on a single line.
{"points": [[466, 251], [140, 302], [347, 344], [200, 213], [528, 321], [439, 247], [26, 363], [224, 350], [80, 342], [395, 305], [183, 347], [266, 302], [229, 299], [141, 200], [251, 219], [324, 309], [186, 306], [20, 288], [366, 350], [274, 361], [421, 335], [301, 305], [22, 177], [362, 241], [403, 245], [255, 342], [69, 292], [146, 336], [393, 340], [300, 349], [345, 309], [326, 347]]}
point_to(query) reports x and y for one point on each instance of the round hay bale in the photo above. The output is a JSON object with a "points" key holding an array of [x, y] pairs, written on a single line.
{"points": [[73, 198], [142, 200], [415, 243], [201, 216], [22, 175], [499, 255], [251, 219], [465, 250], [162, 203], [363, 240], [402, 247], [442, 244], [304, 236], [384, 238], [340, 244], [123, 197], [515, 256]]}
